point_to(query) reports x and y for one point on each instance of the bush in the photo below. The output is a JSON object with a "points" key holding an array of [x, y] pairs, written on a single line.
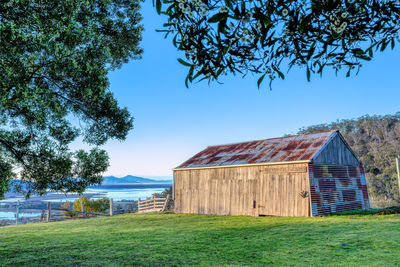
{"points": [[372, 211], [90, 205], [67, 214]]}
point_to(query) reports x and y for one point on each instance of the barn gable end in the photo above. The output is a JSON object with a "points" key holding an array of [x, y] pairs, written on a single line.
{"points": [[336, 151], [337, 179]]}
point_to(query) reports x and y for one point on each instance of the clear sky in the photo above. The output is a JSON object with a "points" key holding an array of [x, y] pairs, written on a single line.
{"points": [[173, 123]]}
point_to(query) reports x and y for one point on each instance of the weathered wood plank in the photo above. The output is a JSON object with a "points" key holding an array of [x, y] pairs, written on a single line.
{"points": [[232, 191], [336, 152]]}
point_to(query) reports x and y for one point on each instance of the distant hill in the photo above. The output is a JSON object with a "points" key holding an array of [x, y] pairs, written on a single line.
{"points": [[130, 179]]}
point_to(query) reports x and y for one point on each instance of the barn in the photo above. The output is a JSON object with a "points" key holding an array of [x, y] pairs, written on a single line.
{"points": [[302, 175]]}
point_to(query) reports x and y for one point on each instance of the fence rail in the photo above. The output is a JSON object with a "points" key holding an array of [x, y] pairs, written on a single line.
{"points": [[46, 214], [154, 204], [17, 212]]}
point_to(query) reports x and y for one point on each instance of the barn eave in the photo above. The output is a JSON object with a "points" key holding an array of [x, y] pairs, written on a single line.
{"points": [[242, 165]]}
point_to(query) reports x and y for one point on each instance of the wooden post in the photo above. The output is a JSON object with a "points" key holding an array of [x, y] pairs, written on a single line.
{"points": [[48, 212], [83, 208], [111, 207], [138, 204], [43, 216], [165, 203], [398, 172], [17, 214]]}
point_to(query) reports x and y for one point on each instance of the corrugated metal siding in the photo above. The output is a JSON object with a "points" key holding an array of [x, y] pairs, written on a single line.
{"points": [[363, 185], [283, 149], [335, 188]]}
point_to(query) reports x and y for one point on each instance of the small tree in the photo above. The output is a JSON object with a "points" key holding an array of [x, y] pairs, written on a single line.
{"points": [[90, 205]]}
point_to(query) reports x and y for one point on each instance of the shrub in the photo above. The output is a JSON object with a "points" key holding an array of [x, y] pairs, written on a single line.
{"points": [[372, 211], [67, 214], [90, 205]]}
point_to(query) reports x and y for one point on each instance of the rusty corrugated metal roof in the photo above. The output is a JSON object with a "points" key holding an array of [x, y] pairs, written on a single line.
{"points": [[281, 149]]}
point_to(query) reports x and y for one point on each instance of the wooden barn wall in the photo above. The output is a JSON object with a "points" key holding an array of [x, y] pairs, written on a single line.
{"points": [[337, 188], [336, 152], [232, 191], [280, 192]]}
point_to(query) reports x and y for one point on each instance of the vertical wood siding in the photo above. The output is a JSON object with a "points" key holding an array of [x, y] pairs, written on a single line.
{"points": [[336, 152], [280, 194], [232, 191]]}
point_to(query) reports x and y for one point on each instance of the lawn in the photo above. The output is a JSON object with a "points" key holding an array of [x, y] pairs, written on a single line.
{"points": [[171, 240]]}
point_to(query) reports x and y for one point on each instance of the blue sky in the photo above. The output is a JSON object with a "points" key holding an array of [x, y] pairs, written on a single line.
{"points": [[172, 122]]}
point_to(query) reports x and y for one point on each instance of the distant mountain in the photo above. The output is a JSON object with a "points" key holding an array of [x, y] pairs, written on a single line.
{"points": [[130, 179]]}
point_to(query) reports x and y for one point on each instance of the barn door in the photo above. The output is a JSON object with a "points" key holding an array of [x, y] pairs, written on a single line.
{"points": [[284, 194]]}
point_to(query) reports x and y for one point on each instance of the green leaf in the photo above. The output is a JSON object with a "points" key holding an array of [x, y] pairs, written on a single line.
{"points": [[384, 44], [190, 73], [222, 26], [158, 6], [187, 81], [358, 51], [218, 17], [370, 52], [311, 51], [259, 81], [228, 3], [184, 62], [280, 74]]}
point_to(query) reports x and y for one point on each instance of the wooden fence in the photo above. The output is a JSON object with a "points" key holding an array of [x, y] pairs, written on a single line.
{"points": [[46, 215], [152, 205]]}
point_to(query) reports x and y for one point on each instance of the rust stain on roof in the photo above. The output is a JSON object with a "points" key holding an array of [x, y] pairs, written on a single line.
{"points": [[281, 149]]}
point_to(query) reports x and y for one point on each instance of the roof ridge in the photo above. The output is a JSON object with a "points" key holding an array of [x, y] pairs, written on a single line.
{"points": [[282, 137]]}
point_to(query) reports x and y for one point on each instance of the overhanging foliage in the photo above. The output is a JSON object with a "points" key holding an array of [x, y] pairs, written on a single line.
{"points": [[268, 38]]}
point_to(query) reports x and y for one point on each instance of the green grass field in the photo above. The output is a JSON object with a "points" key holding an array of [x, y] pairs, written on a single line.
{"points": [[173, 240]]}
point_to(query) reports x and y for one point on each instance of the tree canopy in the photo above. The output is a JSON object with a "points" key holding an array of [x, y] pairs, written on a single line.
{"points": [[54, 60], [268, 38]]}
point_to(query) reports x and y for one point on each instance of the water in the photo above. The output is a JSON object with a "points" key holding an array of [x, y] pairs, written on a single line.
{"points": [[10, 215], [126, 193], [116, 191]]}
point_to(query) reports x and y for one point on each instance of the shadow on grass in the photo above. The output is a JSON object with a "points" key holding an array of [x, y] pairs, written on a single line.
{"points": [[154, 240]]}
